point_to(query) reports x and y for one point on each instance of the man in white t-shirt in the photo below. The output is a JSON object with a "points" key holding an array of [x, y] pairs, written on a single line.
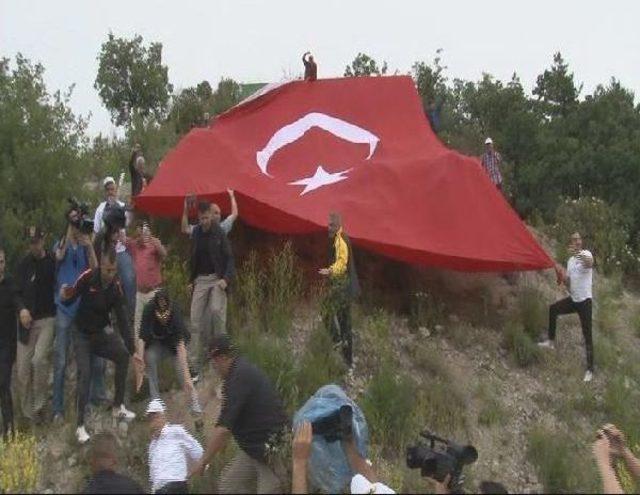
{"points": [[578, 278]]}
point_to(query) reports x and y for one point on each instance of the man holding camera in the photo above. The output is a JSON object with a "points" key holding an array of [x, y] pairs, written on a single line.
{"points": [[74, 254], [254, 414], [100, 293], [35, 279]]}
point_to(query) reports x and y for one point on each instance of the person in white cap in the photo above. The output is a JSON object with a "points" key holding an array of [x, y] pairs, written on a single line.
{"points": [[491, 161], [172, 452]]}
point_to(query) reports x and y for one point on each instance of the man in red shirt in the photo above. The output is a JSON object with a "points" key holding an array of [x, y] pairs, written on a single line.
{"points": [[147, 253]]}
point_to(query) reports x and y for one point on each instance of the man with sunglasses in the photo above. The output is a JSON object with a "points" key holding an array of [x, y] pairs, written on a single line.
{"points": [[74, 255]]}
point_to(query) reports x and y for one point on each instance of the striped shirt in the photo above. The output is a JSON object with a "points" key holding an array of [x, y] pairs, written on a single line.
{"points": [[491, 161]]}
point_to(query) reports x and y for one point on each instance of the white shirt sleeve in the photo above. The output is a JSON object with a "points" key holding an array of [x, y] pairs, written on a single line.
{"points": [[192, 447], [227, 224], [97, 219]]}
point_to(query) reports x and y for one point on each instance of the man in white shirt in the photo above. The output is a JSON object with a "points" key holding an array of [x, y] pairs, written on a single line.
{"points": [[578, 278], [172, 452]]}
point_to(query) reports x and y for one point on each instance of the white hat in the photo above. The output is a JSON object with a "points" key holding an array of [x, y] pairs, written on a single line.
{"points": [[108, 180], [156, 406], [488, 141], [360, 484]]}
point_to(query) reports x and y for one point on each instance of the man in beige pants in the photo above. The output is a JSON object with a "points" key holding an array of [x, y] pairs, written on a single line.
{"points": [[36, 280], [212, 268]]}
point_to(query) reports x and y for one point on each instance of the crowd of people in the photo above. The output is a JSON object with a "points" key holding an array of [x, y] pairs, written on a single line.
{"points": [[103, 291]]}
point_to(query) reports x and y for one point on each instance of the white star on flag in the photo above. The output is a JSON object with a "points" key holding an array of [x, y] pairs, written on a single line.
{"points": [[319, 179]]}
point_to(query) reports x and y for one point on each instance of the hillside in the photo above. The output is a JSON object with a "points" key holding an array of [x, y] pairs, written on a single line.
{"points": [[459, 360]]}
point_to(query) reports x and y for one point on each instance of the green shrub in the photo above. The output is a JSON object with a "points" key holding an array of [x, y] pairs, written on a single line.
{"points": [[176, 280], [521, 346], [532, 311], [319, 365], [562, 461], [247, 295], [491, 411], [635, 323], [621, 407], [426, 310], [389, 405], [283, 288], [441, 407], [604, 229]]}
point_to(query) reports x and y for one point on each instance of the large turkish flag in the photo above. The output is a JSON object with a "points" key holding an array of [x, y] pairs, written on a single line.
{"points": [[358, 146]]}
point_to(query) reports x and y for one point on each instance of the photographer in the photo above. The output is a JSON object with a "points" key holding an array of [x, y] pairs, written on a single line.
{"points": [[35, 278], [364, 481], [100, 294], [74, 255]]}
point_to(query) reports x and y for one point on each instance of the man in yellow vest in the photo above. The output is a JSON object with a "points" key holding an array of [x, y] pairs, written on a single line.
{"points": [[344, 287]]}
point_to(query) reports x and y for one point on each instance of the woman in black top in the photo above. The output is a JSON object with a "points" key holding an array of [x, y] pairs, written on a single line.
{"points": [[164, 335]]}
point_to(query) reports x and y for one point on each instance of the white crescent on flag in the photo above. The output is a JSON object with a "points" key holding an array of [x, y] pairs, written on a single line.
{"points": [[292, 132]]}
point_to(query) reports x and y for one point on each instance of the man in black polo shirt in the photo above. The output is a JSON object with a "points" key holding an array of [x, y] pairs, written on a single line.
{"points": [[253, 413], [35, 278], [212, 269]]}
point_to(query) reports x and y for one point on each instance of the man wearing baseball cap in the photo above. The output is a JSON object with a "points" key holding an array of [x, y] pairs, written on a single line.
{"points": [[252, 412], [36, 282], [491, 161], [172, 452]]}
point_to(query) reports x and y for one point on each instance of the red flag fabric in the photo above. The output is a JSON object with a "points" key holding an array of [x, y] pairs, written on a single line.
{"points": [[359, 146]]}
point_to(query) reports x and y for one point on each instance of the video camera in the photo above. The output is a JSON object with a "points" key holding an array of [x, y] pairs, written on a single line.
{"points": [[84, 222], [437, 458], [336, 426]]}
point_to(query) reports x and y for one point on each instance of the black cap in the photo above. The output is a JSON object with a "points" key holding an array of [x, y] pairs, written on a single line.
{"points": [[221, 345], [33, 233]]}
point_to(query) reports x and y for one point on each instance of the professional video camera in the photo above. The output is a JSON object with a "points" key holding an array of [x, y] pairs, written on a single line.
{"points": [[336, 426], [439, 461], [84, 222]]}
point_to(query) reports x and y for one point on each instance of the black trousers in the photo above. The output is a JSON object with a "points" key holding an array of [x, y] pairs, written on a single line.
{"points": [[105, 344], [584, 310], [7, 358], [337, 319], [174, 487]]}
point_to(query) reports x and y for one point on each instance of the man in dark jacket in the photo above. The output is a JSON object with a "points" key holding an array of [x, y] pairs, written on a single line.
{"points": [[10, 304], [344, 287], [100, 294], [252, 412], [103, 461], [165, 335], [212, 269], [36, 281]]}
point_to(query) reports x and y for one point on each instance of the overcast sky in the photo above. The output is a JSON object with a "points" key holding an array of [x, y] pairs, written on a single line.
{"points": [[262, 41]]}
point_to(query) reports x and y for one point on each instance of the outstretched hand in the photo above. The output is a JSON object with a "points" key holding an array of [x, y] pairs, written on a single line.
{"points": [[302, 442]]}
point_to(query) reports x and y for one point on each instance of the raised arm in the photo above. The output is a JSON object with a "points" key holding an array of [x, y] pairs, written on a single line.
{"points": [[185, 227]]}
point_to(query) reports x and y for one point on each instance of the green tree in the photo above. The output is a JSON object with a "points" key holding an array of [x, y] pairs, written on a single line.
{"points": [[40, 142], [430, 80], [556, 88], [364, 65], [131, 80], [227, 94]]}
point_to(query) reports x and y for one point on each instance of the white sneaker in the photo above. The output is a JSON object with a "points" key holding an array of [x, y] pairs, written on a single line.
{"points": [[547, 344], [82, 435], [588, 376], [123, 413]]}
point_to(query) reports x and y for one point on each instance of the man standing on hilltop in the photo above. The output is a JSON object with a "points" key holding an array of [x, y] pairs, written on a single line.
{"points": [[578, 278], [344, 287], [491, 161], [310, 67]]}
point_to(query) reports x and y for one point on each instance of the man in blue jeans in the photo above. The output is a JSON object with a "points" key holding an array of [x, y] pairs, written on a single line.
{"points": [[74, 254]]}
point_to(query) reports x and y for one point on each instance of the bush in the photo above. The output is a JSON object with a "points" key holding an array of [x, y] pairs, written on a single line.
{"points": [[521, 346], [562, 463], [176, 280], [426, 310], [283, 288], [532, 311], [248, 295], [319, 365], [389, 404], [491, 411], [19, 467], [604, 229]]}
